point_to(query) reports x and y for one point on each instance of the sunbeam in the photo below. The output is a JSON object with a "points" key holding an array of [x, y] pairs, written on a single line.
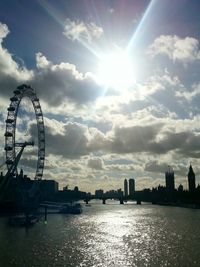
{"points": [[140, 26]]}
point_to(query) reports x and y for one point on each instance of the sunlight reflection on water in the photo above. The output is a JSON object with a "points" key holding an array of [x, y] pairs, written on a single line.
{"points": [[107, 235]]}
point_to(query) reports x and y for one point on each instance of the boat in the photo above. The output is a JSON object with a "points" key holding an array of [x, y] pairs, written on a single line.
{"points": [[23, 220], [71, 209]]}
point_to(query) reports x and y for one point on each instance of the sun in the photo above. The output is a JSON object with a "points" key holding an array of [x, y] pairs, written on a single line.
{"points": [[115, 70]]}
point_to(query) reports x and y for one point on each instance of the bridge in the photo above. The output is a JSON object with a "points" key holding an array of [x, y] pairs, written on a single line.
{"points": [[121, 200]]}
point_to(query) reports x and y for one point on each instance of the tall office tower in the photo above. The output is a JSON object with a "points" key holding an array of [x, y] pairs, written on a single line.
{"points": [[169, 179], [131, 187], [191, 179], [125, 188]]}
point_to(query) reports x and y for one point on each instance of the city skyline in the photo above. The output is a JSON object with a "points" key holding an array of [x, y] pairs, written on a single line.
{"points": [[118, 86], [169, 181]]}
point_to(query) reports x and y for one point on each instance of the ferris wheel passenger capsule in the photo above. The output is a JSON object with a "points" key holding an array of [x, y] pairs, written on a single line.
{"points": [[14, 99], [17, 92], [11, 108]]}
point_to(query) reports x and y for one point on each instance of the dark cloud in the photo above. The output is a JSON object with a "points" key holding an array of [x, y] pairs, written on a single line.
{"points": [[154, 166], [75, 140], [96, 163], [28, 162], [184, 143], [140, 124], [169, 101], [134, 138], [134, 105], [71, 142]]}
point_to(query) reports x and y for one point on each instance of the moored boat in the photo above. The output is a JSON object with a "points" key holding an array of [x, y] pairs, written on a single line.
{"points": [[71, 209]]}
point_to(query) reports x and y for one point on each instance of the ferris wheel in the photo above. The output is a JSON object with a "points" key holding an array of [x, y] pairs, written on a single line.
{"points": [[24, 91]]}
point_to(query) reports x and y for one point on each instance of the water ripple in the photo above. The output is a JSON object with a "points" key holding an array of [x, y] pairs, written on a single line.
{"points": [[107, 236]]}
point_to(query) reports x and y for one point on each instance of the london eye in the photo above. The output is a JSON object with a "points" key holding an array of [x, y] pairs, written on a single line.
{"points": [[11, 144]]}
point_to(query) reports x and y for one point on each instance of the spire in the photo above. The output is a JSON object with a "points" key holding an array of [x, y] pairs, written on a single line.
{"points": [[191, 169], [191, 179], [21, 173]]}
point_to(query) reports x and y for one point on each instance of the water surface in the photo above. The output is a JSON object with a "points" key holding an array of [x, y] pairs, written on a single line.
{"points": [[106, 235]]}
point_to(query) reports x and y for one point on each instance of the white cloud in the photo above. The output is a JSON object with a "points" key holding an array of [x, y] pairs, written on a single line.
{"points": [[160, 83], [77, 30], [11, 73], [3, 31], [58, 83], [41, 61], [55, 83], [185, 50], [143, 123], [190, 95]]}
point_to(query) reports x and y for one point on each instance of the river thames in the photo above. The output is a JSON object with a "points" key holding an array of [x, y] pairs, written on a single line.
{"points": [[106, 235]]}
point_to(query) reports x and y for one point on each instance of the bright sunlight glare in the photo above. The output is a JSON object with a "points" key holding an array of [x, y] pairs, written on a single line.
{"points": [[115, 70]]}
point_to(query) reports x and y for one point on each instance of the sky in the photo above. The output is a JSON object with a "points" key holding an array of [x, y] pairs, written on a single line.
{"points": [[119, 86]]}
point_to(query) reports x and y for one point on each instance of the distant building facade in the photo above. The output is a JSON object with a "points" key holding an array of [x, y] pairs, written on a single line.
{"points": [[131, 187], [48, 189], [180, 188], [169, 179], [120, 193], [70, 195], [76, 189], [191, 180], [1, 177], [125, 188], [99, 193], [114, 194]]}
